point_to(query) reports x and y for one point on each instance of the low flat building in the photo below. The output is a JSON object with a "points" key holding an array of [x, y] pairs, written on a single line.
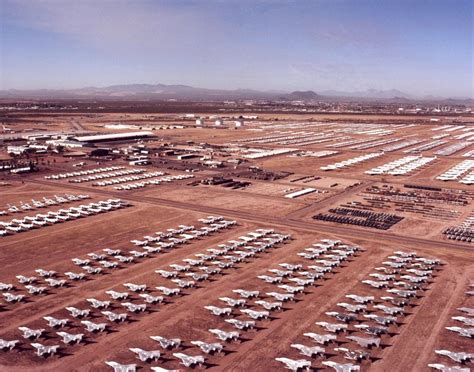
{"points": [[115, 137]]}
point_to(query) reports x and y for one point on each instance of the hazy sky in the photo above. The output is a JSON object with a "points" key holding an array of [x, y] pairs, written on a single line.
{"points": [[417, 46]]}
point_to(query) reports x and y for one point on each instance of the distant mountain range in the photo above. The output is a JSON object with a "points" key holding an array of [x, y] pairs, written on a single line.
{"points": [[185, 92]]}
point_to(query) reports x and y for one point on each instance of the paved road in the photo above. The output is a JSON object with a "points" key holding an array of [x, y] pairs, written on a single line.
{"points": [[341, 230]]}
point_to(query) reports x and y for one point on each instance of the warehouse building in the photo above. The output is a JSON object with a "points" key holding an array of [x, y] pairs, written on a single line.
{"points": [[115, 137]]}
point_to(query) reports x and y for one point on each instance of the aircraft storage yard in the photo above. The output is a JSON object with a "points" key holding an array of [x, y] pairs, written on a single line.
{"points": [[236, 242], [236, 186]]}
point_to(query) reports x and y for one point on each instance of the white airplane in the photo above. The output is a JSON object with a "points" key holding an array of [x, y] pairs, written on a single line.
{"points": [[97, 304], [55, 282], [7, 345], [352, 308], [122, 367], [309, 350], [35, 290], [198, 277], [167, 274], [6, 287], [364, 341], [183, 283], [169, 291], [333, 327], [467, 310], [269, 305], [302, 282], [460, 357], [145, 355], [75, 276], [321, 339], [420, 272], [392, 310], [376, 331], [42, 350], [402, 293], [328, 263], [241, 324], [281, 273], [386, 270], [341, 367], [357, 355], [134, 308], [31, 333], [45, 273], [233, 302], [283, 297], [96, 257], [384, 320], [125, 259], [443, 368], [246, 294], [26, 279], [117, 295], [270, 279], [465, 332], [152, 249], [92, 270], [79, 262], [414, 279], [112, 252], [382, 277], [78, 313], [467, 321], [13, 298], [396, 265], [346, 318], [225, 336], [405, 254], [208, 347], [109, 265], [219, 311], [376, 284], [56, 323], [94, 327], [115, 317], [188, 360], [167, 343], [69, 338], [319, 269], [256, 314], [151, 299], [180, 267], [295, 365], [428, 261], [138, 254], [210, 270], [291, 289], [291, 267]]}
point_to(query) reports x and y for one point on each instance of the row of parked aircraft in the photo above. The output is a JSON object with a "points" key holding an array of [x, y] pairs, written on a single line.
{"points": [[174, 237], [50, 218], [104, 306], [157, 181], [82, 173], [466, 331], [137, 177], [42, 203], [211, 263], [367, 314]]}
